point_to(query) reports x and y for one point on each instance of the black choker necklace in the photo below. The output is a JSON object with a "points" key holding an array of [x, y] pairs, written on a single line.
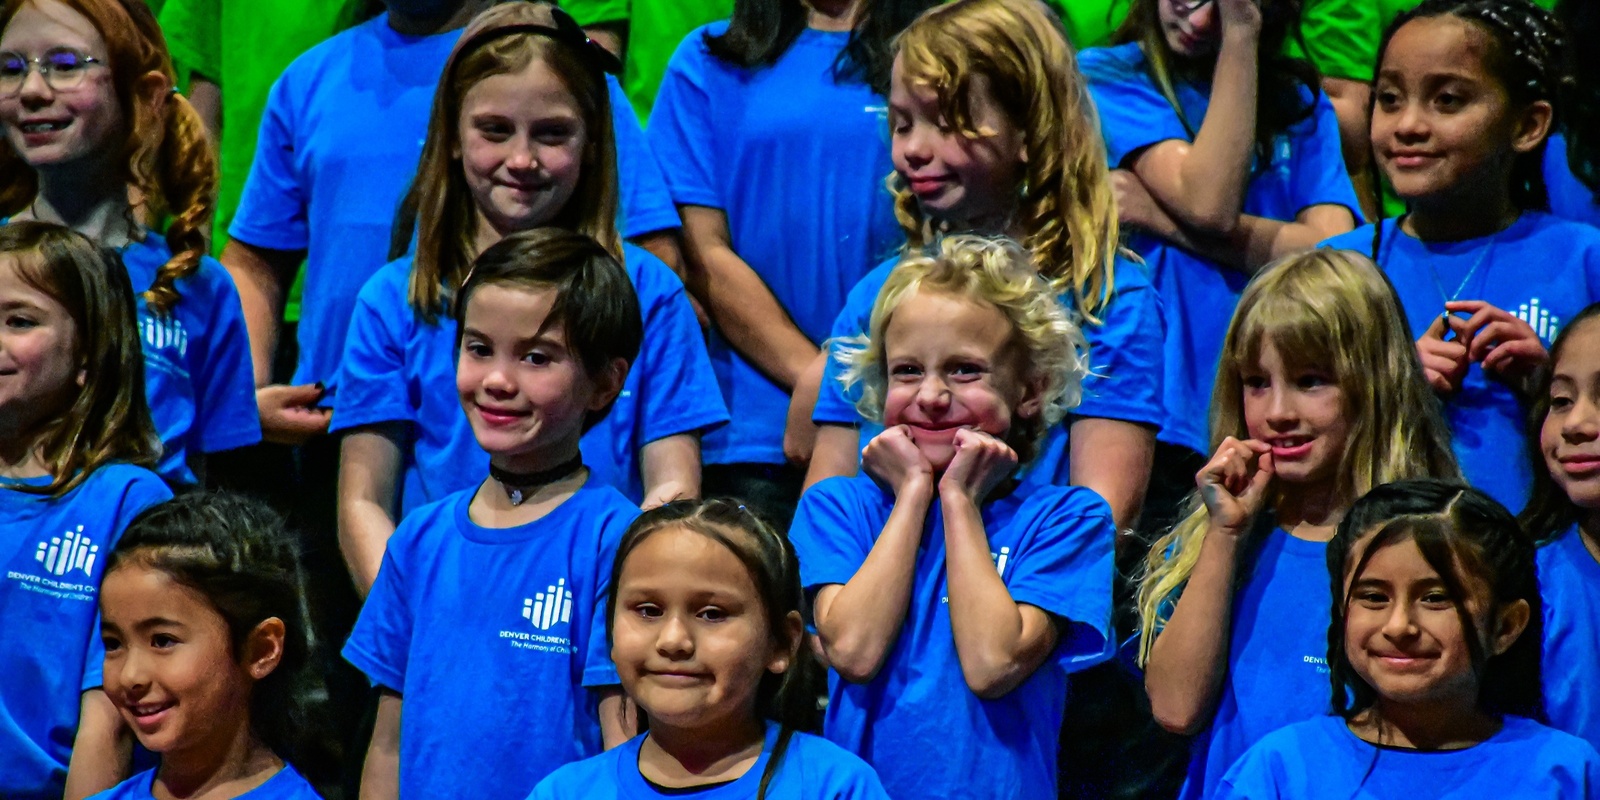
{"points": [[519, 485]]}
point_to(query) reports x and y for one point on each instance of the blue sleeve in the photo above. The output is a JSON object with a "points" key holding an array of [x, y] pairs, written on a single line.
{"points": [[142, 492], [1125, 353], [225, 391], [828, 537], [273, 211], [371, 381], [836, 405], [380, 643], [1250, 778], [843, 775], [682, 131], [598, 669], [1067, 571], [1133, 114], [646, 204], [1318, 175], [678, 387]]}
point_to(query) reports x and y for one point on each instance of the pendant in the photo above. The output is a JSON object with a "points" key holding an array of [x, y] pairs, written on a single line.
{"points": [[515, 495]]}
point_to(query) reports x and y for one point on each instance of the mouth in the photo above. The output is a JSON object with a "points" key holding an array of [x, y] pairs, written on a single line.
{"points": [[43, 126], [1291, 447], [1401, 662], [1575, 465], [1410, 159], [927, 185], [148, 715], [673, 678], [500, 416]]}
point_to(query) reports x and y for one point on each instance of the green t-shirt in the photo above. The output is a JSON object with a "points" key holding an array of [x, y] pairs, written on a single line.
{"points": [[655, 27], [1090, 23]]}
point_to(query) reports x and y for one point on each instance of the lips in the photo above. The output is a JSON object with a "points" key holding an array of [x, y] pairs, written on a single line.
{"points": [[148, 716], [500, 416], [1400, 662], [1580, 465], [679, 678], [927, 184], [1409, 159], [1291, 447]]}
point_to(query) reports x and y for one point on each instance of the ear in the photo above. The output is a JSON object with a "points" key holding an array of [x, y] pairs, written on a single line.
{"points": [[263, 648], [1031, 404], [1509, 624], [1533, 127], [787, 643], [608, 384], [154, 88]]}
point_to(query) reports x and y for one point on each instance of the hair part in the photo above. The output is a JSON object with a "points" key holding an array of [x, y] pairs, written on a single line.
{"points": [[236, 552], [774, 569], [1549, 511], [1049, 348], [167, 158], [1020, 52], [1332, 311], [109, 419], [1467, 538], [438, 206], [760, 32]]}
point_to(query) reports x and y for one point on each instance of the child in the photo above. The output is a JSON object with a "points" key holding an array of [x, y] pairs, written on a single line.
{"points": [[1564, 514], [486, 621], [523, 99], [1465, 95], [706, 596], [91, 125], [1022, 155], [1319, 398], [950, 600], [1227, 157], [782, 215], [75, 436], [208, 649], [1434, 657]]}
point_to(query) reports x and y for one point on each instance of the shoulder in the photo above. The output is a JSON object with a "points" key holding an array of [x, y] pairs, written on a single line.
{"points": [[602, 506], [1114, 64], [124, 480], [1359, 240], [590, 776], [388, 286], [1325, 734], [1545, 226], [422, 528], [692, 55], [1063, 505], [330, 52], [134, 788], [1548, 745], [823, 763]]}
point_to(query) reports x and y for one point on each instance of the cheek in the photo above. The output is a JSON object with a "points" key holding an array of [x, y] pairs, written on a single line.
{"points": [[895, 401], [1255, 413]]}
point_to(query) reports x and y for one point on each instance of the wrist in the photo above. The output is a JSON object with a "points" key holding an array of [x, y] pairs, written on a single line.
{"points": [[917, 487]]}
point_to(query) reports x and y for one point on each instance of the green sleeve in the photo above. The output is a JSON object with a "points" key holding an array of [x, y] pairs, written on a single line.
{"points": [[1090, 23], [596, 12], [194, 32], [1341, 37], [656, 27]]}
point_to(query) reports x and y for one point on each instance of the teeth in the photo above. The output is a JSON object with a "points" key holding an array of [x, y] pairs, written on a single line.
{"points": [[41, 127]]}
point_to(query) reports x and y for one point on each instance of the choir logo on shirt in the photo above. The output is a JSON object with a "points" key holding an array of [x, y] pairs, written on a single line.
{"points": [[1000, 559], [1544, 323], [61, 562], [164, 333], [1319, 662], [547, 611]]}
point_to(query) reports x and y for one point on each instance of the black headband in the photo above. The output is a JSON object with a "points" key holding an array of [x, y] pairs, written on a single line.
{"points": [[566, 31]]}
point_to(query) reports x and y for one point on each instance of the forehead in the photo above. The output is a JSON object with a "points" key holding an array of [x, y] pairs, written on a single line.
{"points": [[42, 24], [931, 321], [512, 310], [1580, 350], [685, 558], [1442, 46], [534, 90], [15, 284], [135, 591]]}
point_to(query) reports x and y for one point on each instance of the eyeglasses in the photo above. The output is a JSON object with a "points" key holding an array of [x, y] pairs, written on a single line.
{"points": [[63, 69]]}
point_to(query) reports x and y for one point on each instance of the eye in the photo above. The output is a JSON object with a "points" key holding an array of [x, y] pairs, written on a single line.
{"points": [[538, 358], [647, 610], [1371, 598], [1388, 98], [905, 372], [1312, 380], [111, 644], [1437, 598], [21, 322], [967, 372], [1560, 402], [476, 349], [162, 641], [713, 614], [12, 65], [1447, 100], [66, 62], [553, 134], [1255, 382]]}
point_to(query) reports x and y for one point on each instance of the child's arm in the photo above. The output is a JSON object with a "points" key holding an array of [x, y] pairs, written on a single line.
{"points": [[619, 717], [858, 621], [1203, 184], [102, 749], [837, 452], [1189, 658], [369, 475], [799, 432], [671, 469], [1113, 457], [380, 775], [288, 413]]}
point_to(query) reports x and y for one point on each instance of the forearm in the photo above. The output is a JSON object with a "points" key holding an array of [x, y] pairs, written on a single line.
{"points": [[369, 470], [1214, 176], [380, 773], [1189, 658], [986, 621], [752, 319], [670, 468], [1114, 458], [261, 300], [364, 530], [101, 750], [799, 432], [837, 452], [1254, 243], [861, 620]]}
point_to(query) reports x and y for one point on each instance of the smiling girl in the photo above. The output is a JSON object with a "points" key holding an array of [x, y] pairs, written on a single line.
{"points": [[1319, 398]]}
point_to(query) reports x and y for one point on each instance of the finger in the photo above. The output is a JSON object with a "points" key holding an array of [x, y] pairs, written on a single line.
{"points": [[1516, 354], [1437, 330], [1466, 306], [1499, 333], [304, 394], [1475, 323], [1438, 382]]}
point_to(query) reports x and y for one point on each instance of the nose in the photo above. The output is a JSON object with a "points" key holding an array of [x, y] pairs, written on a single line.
{"points": [[1281, 412], [1412, 123], [915, 146], [673, 639], [1582, 422], [523, 156], [497, 380], [35, 89], [132, 674], [1401, 624], [933, 394]]}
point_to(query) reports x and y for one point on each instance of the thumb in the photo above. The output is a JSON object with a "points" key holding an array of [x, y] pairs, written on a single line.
{"points": [[1437, 330], [304, 394], [1259, 481]]}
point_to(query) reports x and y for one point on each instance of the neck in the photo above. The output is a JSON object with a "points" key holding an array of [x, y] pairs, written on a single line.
{"points": [[91, 201], [20, 455], [832, 15], [1452, 723], [1458, 219], [1589, 530], [226, 768], [999, 222], [418, 25], [1312, 511], [677, 757]]}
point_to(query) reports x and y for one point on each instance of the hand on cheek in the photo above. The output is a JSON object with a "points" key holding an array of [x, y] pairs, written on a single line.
{"points": [[896, 461], [981, 462]]}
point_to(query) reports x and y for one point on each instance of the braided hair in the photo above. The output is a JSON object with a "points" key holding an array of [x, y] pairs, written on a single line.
{"points": [[1528, 57]]}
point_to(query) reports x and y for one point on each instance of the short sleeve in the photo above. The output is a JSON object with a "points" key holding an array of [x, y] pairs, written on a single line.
{"points": [[682, 131], [225, 397], [371, 382], [144, 491], [679, 390], [1250, 778], [1066, 570], [646, 202], [829, 536], [193, 30], [836, 404], [1318, 175], [380, 644], [598, 668], [273, 209], [1133, 113], [1126, 353], [597, 12]]}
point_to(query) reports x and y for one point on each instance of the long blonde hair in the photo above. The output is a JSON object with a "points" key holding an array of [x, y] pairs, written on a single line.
{"points": [[1066, 207], [1332, 309], [993, 272]]}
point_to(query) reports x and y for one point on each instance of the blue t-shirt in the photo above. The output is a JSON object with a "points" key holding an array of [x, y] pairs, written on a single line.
{"points": [[1569, 584], [1124, 381], [328, 176], [805, 202], [492, 636], [399, 368], [1487, 421], [812, 768], [286, 784], [50, 650], [1569, 197], [1321, 759], [1277, 656], [917, 722], [1307, 169], [198, 375]]}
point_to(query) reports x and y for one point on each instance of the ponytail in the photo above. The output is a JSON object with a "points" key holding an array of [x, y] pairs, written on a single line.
{"points": [[185, 181]]}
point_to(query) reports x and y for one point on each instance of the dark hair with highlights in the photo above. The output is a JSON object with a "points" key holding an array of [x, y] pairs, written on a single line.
{"points": [[1466, 537], [787, 699], [236, 552], [167, 157], [761, 31], [108, 420], [1550, 512]]}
